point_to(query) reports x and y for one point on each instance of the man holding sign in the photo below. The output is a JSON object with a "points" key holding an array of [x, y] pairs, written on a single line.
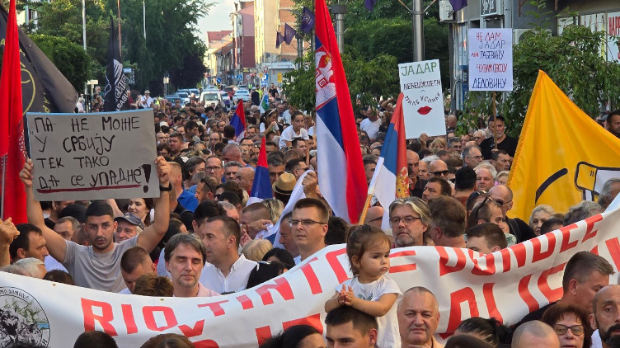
{"points": [[98, 265]]}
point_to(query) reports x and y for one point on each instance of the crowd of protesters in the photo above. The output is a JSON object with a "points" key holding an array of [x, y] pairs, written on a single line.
{"points": [[201, 237]]}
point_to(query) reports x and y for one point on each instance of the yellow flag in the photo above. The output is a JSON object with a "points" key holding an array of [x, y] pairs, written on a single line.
{"points": [[563, 156]]}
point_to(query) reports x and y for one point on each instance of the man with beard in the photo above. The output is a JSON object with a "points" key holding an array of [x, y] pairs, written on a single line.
{"points": [[409, 218], [606, 317], [98, 265], [613, 123], [185, 257]]}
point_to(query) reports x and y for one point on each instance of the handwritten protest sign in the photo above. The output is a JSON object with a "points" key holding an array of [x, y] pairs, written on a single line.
{"points": [[93, 156], [490, 59], [423, 108], [613, 36]]}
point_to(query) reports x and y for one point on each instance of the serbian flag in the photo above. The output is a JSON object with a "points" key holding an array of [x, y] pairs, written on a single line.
{"points": [[261, 188], [12, 149], [340, 167], [238, 121], [390, 180]]}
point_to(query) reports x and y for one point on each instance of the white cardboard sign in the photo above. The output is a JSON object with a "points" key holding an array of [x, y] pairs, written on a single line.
{"points": [[490, 60], [93, 156], [423, 108]]}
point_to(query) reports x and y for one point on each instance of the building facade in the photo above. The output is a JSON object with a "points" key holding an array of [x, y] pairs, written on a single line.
{"points": [[517, 14]]}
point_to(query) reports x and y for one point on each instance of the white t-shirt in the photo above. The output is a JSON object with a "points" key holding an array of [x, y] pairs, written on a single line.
{"points": [[388, 324], [371, 128], [288, 134]]}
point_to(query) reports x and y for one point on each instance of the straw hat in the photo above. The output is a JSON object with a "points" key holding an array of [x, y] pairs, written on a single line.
{"points": [[285, 184]]}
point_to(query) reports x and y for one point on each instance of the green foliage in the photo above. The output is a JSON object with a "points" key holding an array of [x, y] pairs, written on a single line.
{"points": [[573, 60], [375, 43], [172, 36], [367, 79], [68, 57]]}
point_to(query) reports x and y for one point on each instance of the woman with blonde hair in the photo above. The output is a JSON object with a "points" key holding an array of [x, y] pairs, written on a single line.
{"points": [[540, 214], [437, 145], [255, 249]]}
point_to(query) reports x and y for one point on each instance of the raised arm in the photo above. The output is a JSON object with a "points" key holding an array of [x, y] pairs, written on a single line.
{"points": [[153, 234], [8, 232], [56, 245]]}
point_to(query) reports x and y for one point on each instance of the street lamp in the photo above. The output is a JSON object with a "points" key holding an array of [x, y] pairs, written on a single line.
{"points": [[166, 82]]}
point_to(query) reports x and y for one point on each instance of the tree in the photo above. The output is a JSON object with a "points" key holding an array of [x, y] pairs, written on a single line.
{"points": [[572, 60], [68, 57], [367, 80]]}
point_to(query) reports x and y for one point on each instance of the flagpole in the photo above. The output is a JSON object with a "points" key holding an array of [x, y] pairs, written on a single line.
{"points": [[494, 120], [365, 210], [4, 160]]}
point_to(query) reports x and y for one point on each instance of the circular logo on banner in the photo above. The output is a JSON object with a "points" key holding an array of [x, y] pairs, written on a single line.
{"points": [[22, 320]]}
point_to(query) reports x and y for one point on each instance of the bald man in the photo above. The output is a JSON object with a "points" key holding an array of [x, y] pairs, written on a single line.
{"points": [[374, 216], [245, 178], [502, 194], [416, 184], [438, 168], [535, 334]]}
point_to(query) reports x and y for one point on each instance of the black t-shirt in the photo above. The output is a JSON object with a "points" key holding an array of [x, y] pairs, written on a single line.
{"points": [[255, 98], [509, 144], [273, 92], [521, 230]]}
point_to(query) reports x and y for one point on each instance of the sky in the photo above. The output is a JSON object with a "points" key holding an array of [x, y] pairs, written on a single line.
{"points": [[217, 19]]}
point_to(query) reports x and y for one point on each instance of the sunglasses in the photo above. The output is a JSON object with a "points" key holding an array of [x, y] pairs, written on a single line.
{"points": [[560, 329], [440, 173]]}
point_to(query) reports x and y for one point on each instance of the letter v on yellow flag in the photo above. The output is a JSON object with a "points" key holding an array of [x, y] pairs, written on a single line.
{"points": [[563, 156]]}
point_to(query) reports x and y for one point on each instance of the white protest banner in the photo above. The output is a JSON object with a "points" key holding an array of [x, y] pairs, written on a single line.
{"points": [[423, 108], [93, 156], [613, 36], [490, 59], [505, 285]]}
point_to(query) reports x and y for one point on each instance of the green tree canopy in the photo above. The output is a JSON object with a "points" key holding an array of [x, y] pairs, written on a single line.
{"points": [[70, 58]]}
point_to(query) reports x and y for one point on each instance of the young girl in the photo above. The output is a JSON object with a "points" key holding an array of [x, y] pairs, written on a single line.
{"points": [[370, 290]]}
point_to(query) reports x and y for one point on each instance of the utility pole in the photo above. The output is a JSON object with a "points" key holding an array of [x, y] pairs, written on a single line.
{"points": [[339, 11], [418, 31], [83, 36]]}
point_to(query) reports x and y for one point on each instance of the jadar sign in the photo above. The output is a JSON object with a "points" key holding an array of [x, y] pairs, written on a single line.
{"points": [[423, 108], [93, 156]]}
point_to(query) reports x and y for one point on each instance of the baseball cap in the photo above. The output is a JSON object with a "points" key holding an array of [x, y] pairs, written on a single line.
{"points": [[132, 219]]}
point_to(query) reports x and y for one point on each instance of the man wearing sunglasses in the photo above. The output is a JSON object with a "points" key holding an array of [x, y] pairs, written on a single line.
{"points": [[520, 229], [438, 168]]}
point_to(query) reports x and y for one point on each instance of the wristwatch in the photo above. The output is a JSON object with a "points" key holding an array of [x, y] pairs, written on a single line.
{"points": [[166, 189]]}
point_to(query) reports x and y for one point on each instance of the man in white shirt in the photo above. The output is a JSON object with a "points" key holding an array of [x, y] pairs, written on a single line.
{"points": [[371, 124], [227, 271], [146, 101], [295, 130]]}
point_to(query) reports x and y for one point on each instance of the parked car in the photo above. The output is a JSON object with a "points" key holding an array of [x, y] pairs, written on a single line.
{"points": [[184, 97], [243, 94], [211, 96], [173, 97]]}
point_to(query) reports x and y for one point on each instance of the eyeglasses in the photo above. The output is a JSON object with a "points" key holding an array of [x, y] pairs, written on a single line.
{"points": [[305, 222], [440, 173], [560, 329], [407, 219], [212, 169], [478, 158]]}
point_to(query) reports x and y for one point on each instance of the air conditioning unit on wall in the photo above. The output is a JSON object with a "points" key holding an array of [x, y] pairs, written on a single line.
{"points": [[520, 34], [446, 12]]}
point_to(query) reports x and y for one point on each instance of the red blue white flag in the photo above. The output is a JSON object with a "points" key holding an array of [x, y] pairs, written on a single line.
{"points": [[238, 121], [340, 168]]}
